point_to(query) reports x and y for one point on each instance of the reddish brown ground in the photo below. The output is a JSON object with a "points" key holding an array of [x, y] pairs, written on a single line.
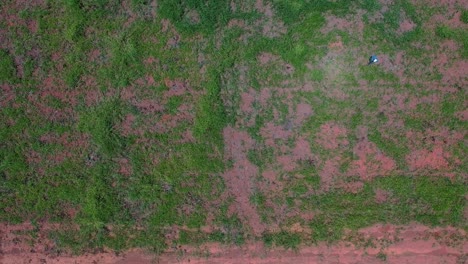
{"points": [[332, 136], [416, 244], [405, 26], [240, 178], [351, 23], [371, 162], [271, 27]]}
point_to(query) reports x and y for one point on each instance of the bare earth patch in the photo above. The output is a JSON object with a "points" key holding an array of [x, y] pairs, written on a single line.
{"points": [[371, 161], [271, 27], [381, 196], [332, 136], [430, 149], [329, 173], [240, 178], [303, 112], [405, 26], [266, 57], [351, 24]]}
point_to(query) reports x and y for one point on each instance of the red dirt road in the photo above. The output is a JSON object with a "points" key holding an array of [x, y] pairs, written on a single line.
{"points": [[415, 244]]}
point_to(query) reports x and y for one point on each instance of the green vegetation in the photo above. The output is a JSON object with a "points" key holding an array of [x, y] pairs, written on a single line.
{"points": [[283, 239], [459, 35], [112, 118], [431, 201], [464, 16], [7, 68]]}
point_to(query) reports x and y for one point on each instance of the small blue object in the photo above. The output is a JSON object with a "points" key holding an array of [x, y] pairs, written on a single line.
{"points": [[373, 59]]}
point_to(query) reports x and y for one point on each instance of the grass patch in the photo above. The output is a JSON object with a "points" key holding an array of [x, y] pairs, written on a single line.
{"points": [[317, 75], [100, 123], [211, 117], [282, 239], [7, 67], [375, 74], [459, 35], [432, 201], [450, 106], [464, 16]]}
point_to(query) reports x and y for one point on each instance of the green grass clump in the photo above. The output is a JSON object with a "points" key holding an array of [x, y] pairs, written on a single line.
{"points": [[464, 16], [445, 32], [461, 36], [100, 123], [7, 67], [431, 201], [282, 239], [210, 118]]}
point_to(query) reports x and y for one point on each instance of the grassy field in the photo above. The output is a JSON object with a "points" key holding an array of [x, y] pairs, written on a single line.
{"points": [[158, 124]]}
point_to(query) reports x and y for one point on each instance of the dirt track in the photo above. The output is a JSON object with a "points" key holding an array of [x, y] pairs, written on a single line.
{"points": [[377, 244]]}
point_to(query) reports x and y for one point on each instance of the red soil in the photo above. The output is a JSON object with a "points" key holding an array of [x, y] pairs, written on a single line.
{"points": [[455, 74], [193, 17], [270, 26], [240, 179], [149, 106], [265, 58], [271, 132], [462, 115], [451, 21], [247, 100], [286, 162], [94, 55], [415, 244], [150, 61], [265, 95], [302, 150], [400, 244], [332, 136], [351, 187], [303, 112], [430, 149], [338, 45], [126, 127], [449, 45], [237, 23], [329, 173], [125, 168], [8, 95], [435, 159], [187, 137], [371, 161], [176, 87], [269, 175], [381, 196], [33, 157], [351, 24], [405, 26], [33, 26]]}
